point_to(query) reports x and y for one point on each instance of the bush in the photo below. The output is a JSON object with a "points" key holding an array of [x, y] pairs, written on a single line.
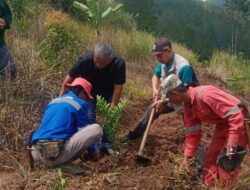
{"points": [[60, 47], [233, 70], [122, 20], [23, 13]]}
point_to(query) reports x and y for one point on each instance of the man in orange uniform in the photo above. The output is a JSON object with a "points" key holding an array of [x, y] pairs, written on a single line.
{"points": [[213, 106]]}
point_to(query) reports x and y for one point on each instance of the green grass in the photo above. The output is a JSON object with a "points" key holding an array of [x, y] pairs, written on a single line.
{"points": [[233, 70]]}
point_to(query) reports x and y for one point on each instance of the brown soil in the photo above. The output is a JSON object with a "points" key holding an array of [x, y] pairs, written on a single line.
{"points": [[164, 149]]}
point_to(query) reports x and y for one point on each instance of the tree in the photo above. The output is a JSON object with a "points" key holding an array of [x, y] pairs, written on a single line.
{"points": [[94, 14], [144, 13], [238, 11]]}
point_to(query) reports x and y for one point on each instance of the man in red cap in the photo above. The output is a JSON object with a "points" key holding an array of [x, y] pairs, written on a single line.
{"points": [[64, 132]]}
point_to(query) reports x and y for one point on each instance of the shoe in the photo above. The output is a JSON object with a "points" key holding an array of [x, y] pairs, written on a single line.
{"points": [[130, 136], [107, 148], [71, 168]]}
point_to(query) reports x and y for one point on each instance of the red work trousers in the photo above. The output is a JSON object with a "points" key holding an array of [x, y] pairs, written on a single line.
{"points": [[212, 173]]}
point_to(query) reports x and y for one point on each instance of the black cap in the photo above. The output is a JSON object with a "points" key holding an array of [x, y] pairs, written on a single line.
{"points": [[160, 45]]}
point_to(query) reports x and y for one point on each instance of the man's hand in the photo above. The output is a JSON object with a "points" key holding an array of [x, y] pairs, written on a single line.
{"points": [[156, 94], [160, 105], [2, 23], [231, 147]]}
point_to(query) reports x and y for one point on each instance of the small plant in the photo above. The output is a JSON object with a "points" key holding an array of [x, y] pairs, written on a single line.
{"points": [[110, 116], [60, 183]]}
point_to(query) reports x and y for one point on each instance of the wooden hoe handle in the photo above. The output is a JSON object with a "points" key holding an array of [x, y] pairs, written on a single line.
{"points": [[140, 153]]}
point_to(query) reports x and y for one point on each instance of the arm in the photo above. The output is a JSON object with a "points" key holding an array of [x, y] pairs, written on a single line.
{"points": [[226, 107], [116, 95], [120, 79], [82, 116], [188, 76], [6, 20], [192, 132], [192, 137], [67, 79], [155, 86]]}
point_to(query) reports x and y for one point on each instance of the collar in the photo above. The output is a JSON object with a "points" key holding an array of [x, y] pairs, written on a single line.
{"points": [[191, 93], [170, 65]]}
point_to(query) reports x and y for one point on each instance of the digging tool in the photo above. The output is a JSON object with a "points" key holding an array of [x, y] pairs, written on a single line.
{"points": [[140, 155]]}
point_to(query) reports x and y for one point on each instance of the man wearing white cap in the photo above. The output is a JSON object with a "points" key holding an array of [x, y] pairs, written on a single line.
{"points": [[210, 105]]}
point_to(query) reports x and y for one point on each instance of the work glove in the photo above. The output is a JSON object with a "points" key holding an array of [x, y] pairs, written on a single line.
{"points": [[229, 162]]}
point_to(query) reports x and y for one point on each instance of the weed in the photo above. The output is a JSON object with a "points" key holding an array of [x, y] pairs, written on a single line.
{"points": [[60, 183], [60, 46], [233, 70], [134, 93], [22, 14]]}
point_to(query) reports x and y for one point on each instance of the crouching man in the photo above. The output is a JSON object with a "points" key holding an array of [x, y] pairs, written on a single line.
{"points": [[213, 106], [64, 133]]}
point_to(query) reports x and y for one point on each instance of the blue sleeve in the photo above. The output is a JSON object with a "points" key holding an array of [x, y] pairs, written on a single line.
{"points": [[187, 76], [92, 150], [157, 72], [82, 116]]}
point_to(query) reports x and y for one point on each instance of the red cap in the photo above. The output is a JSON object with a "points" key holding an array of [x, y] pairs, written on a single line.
{"points": [[84, 84]]}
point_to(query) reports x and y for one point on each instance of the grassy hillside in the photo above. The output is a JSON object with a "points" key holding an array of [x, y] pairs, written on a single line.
{"points": [[50, 44], [45, 50]]}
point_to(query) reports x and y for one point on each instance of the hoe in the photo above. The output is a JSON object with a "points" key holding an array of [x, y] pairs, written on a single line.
{"points": [[140, 155]]}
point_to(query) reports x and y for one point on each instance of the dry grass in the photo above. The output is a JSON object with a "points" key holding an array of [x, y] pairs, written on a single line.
{"points": [[233, 70], [22, 101]]}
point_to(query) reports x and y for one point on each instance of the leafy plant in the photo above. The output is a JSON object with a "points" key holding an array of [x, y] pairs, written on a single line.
{"points": [[20, 8], [111, 116], [94, 14], [22, 13], [60, 46], [60, 183]]}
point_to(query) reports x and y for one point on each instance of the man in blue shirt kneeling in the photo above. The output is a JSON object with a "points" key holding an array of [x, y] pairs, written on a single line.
{"points": [[64, 133]]}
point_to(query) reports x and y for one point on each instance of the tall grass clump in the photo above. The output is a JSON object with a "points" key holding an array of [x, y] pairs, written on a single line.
{"points": [[233, 70], [61, 43], [23, 99], [187, 53], [123, 20], [133, 45], [23, 13], [137, 45]]}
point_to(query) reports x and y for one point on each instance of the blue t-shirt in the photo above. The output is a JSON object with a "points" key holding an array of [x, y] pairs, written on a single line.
{"points": [[186, 73], [63, 116]]}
